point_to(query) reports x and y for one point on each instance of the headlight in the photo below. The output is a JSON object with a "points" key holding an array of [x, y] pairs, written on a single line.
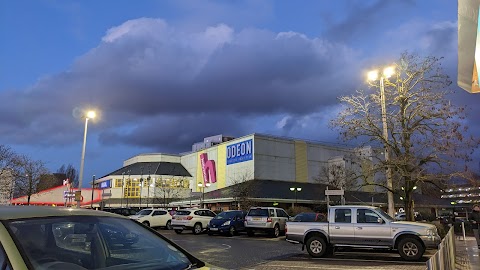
{"points": [[432, 232], [226, 223]]}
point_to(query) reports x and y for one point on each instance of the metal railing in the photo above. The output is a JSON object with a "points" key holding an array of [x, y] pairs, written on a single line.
{"points": [[444, 258]]}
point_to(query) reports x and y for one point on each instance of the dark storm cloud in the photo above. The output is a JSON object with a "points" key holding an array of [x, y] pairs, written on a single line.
{"points": [[144, 70]]}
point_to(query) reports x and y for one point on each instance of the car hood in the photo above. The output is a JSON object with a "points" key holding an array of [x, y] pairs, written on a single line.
{"points": [[413, 224]]}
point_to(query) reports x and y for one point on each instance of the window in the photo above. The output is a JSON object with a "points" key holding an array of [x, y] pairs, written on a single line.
{"points": [[159, 213], [210, 214], [4, 263], [258, 212], [367, 216], [271, 212], [343, 215], [281, 213], [118, 183]]}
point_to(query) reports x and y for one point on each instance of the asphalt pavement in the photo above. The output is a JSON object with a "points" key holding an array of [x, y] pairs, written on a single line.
{"points": [[264, 253]]}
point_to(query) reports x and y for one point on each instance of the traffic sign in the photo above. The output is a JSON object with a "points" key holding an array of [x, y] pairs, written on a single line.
{"points": [[334, 192]]}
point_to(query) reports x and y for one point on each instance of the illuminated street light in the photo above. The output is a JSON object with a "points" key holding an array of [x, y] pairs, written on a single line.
{"points": [[295, 189], [203, 185], [373, 76], [88, 115]]}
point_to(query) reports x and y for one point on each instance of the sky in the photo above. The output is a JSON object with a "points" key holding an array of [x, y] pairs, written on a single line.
{"points": [[163, 75]]}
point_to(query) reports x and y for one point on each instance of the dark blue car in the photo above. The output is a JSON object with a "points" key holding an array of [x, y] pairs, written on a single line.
{"points": [[229, 222]]}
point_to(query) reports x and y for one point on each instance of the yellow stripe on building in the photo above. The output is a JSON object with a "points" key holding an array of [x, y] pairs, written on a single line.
{"points": [[301, 162], [199, 175]]}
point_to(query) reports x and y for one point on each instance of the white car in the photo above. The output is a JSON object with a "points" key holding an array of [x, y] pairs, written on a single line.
{"points": [[194, 219], [154, 218]]}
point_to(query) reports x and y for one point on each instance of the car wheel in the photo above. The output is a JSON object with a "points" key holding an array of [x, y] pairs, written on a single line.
{"points": [[410, 249], [146, 223], [197, 228], [316, 246], [169, 225], [276, 231], [232, 231], [178, 231], [210, 233], [250, 232]]}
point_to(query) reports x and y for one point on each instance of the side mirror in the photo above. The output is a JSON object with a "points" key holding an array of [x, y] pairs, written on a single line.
{"points": [[380, 220]]}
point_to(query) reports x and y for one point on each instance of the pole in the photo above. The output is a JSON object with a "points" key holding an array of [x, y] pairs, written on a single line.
{"points": [[93, 185], [123, 188], [128, 187], [391, 206], [141, 185], [82, 161], [203, 195]]}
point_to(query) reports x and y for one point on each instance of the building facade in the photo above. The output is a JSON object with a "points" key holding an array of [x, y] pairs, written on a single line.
{"points": [[220, 162]]}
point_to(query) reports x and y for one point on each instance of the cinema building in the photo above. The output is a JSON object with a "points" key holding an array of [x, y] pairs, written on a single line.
{"points": [[215, 170]]}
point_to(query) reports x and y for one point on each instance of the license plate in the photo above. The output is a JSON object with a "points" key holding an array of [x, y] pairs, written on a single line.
{"points": [[213, 229], [256, 219]]}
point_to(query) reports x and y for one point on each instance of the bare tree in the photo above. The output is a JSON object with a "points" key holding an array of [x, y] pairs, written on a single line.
{"points": [[70, 172], [8, 168], [28, 176], [167, 190], [241, 190], [426, 134]]}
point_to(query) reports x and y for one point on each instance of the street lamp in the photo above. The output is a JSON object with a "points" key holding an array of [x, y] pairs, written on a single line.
{"points": [[90, 115], [203, 185], [296, 189], [373, 76]]}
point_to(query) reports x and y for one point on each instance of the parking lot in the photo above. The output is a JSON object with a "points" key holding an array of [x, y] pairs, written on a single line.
{"points": [[262, 252]]}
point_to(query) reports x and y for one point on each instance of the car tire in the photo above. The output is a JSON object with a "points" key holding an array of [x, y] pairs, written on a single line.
{"points": [[197, 228], [146, 223], [178, 231], [168, 226], [210, 233], [250, 232], [275, 231], [410, 249], [232, 231], [316, 246]]}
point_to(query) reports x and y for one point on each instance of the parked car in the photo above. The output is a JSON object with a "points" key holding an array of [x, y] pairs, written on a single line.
{"points": [[266, 219], [192, 219], [310, 217], [230, 222], [154, 218], [363, 227], [36, 237]]}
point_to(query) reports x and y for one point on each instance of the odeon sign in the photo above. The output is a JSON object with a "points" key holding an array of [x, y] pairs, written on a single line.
{"points": [[240, 152]]}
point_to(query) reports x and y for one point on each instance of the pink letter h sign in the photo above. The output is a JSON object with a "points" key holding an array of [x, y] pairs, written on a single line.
{"points": [[208, 169]]}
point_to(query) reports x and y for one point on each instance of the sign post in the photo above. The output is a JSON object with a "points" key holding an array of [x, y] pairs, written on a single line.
{"points": [[335, 192]]}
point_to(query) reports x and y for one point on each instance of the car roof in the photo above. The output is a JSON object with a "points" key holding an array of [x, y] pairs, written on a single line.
{"points": [[20, 212]]}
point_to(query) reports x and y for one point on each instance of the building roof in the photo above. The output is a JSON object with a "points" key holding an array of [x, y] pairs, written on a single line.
{"points": [[152, 168], [18, 212]]}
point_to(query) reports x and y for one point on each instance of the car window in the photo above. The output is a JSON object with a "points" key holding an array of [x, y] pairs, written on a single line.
{"points": [[367, 216], [211, 214], [258, 212], [94, 242], [144, 212], [284, 214], [4, 263], [271, 212], [159, 213], [343, 215]]}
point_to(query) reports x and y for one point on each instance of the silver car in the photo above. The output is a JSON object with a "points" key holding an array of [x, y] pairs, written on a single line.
{"points": [[266, 219]]}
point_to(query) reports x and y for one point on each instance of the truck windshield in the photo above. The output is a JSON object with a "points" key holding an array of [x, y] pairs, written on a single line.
{"points": [[384, 215]]}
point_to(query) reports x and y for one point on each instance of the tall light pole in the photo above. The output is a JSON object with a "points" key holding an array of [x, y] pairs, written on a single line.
{"points": [[93, 188], [141, 185], [373, 76], [90, 115], [295, 189], [203, 185], [123, 189]]}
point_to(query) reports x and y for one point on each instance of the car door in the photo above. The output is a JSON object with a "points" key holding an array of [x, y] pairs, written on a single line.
{"points": [[282, 218], [341, 229], [208, 215], [159, 218], [368, 230], [240, 221]]}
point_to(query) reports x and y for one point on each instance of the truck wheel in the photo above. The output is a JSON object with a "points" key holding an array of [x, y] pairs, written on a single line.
{"points": [[410, 249], [316, 246]]}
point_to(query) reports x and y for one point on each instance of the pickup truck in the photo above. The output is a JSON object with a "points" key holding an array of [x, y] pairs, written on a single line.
{"points": [[363, 227]]}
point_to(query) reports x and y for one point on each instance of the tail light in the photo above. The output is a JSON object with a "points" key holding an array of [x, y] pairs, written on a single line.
{"points": [[189, 218], [269, 219], [286, 229]]}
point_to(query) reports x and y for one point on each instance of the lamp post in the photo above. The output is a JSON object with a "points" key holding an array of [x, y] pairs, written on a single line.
{"points": [[128, 186], [148, 185], [93, 188], [90, 115], [295, 189], [203, 185], [373, 76], [123, 189]]}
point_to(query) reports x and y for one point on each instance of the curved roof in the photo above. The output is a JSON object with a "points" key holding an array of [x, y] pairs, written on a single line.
{"points": [[19, 212]]}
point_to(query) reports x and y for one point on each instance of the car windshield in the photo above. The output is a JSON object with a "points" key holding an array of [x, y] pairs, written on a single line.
{"points": [[90, 242], [384, 215], [258, 212], [144, 212], [225, 215], [183, 213]]}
